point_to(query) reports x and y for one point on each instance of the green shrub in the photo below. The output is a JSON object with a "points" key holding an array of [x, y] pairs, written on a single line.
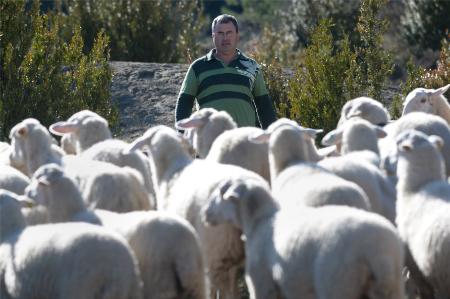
{"points": [[145, 31], [323, 82], [304, 15], [374, 63], [418, 76], [46, 77], [333, 73], [274, 53]]}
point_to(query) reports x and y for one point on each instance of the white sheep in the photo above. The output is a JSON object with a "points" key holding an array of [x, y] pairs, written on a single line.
{"points": [[203, 127], [62, 260], [361, 107], [423, 207], [359, 137], [429, 101], [166, 271], [34, 148], [234, 147], [295, 180], [5, 149], [12, 179], [329, 252], [89, 134], [16, 156], [360, 162], [184, 185], [114, 151], [424, 122], [68, 145], [85, 127], [216, 137], [15, 181], [366, 108]]}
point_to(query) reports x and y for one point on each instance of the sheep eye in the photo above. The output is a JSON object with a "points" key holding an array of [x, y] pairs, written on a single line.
{"points": [[423, 100]]}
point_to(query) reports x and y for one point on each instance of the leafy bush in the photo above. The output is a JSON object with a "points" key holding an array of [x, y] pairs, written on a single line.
{"points": [[145, 31], [304, 15], [421, 77], [330, 75], [45, 77], [374, 64], [324, 82], [273, 51]]}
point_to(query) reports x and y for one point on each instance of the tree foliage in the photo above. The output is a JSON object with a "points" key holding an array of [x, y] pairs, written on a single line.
{"points": [[273, 51], [324, 81], [145, 31], [374, 63], [45, 76], [304, 15], [332, 73]]}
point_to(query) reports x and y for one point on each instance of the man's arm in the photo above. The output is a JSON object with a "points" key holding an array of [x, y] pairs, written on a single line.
{"points": [[183, 109], [264, 106], [265, 110], [186, 98]]}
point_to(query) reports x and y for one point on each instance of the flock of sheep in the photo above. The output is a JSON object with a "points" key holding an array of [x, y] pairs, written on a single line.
{"points": [[174, 215]]}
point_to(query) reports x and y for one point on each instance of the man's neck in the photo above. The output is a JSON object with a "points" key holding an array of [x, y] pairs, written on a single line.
{"points": [[225, 57]]}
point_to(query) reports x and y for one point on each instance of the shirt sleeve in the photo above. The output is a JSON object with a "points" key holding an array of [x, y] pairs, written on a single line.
{"points": [[260, 86], [186, 97], [264, 105], [184, 106], [190, 83]]}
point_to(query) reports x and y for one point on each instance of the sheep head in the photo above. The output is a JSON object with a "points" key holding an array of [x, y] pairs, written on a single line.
{"points": [[423, 100]]}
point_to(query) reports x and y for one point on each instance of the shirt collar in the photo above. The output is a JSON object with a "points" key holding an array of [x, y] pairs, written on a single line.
{"points": [[240, 55]]}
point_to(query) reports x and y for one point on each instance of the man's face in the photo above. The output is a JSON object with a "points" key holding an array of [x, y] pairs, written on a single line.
{"points": [[225, 38]]}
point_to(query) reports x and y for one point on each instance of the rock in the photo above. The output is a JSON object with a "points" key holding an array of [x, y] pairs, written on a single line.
{"points": [[146, 94]]}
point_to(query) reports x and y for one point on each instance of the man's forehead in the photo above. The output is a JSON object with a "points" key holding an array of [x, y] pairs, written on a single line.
{"points": [[224, 27]]}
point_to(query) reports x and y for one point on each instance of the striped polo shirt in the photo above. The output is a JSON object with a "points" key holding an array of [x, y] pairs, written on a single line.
{"points": [[233, 87]]}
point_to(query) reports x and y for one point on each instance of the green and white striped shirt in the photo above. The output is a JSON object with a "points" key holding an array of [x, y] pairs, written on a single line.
{"points": [[237, 88]]}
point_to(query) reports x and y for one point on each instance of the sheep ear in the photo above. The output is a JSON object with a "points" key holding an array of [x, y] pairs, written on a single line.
{"points": [[380, 132], [437, 141], [332, 138], [406, 146], [63, 127], [190, 123], [229, 208], [139, 143], [441, 91], [43, 181], [312, 133], [328, 151], [260, 137], [354, 113], [22, 131], [230, 194]]}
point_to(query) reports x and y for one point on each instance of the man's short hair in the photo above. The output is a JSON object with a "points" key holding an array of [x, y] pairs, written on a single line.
{"points": [[224, 19]]}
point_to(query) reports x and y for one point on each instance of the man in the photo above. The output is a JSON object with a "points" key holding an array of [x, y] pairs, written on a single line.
{"points": [[226, 79]]}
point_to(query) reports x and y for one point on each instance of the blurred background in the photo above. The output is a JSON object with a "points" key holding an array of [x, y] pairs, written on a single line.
{"points": [[55, 54]]}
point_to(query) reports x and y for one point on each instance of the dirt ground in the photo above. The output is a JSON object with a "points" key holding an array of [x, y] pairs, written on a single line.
{"points": [[146, 94]]}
